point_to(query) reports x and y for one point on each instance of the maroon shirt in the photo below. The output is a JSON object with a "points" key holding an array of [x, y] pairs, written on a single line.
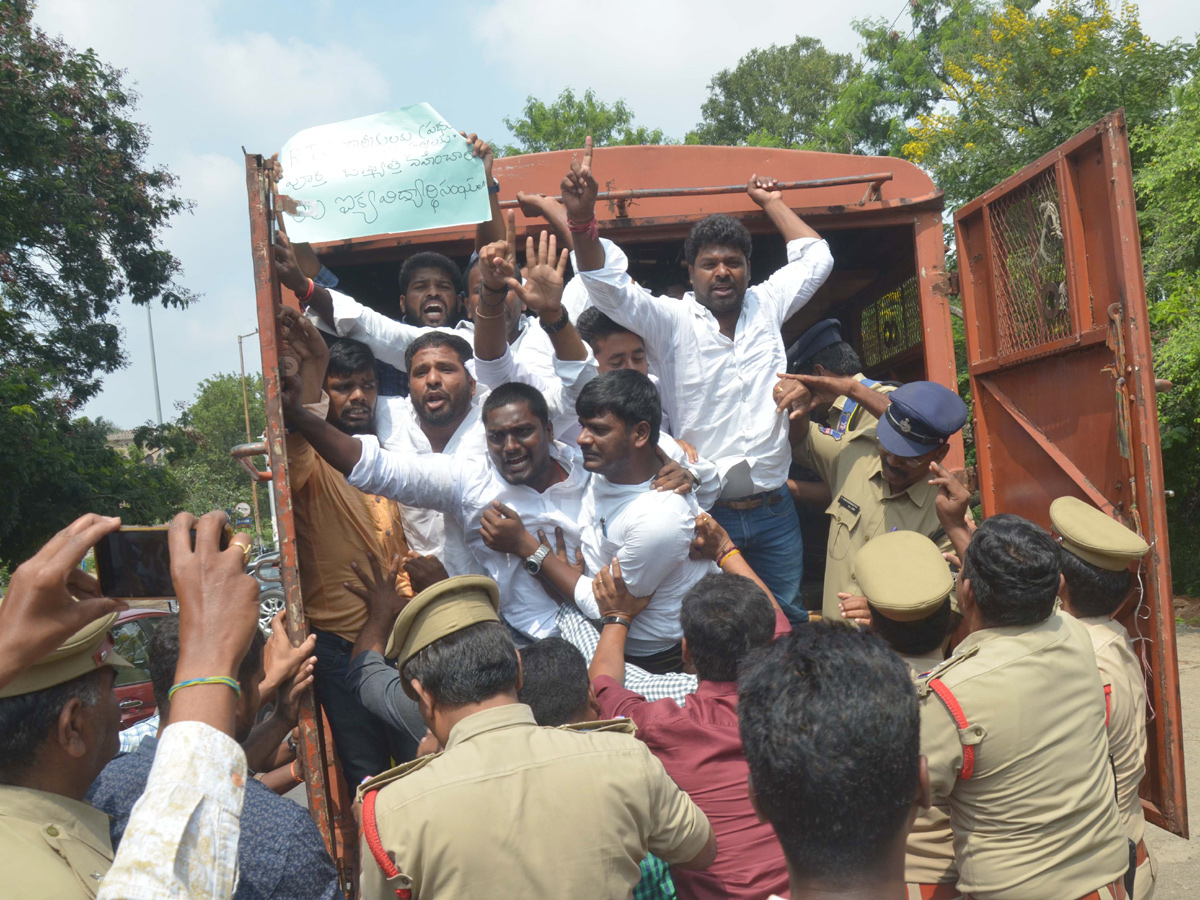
{"points": [[701, 749]]}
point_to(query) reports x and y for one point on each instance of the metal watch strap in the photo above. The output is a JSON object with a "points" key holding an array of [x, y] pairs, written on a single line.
{"points": [[615, 620], [533, 563]]}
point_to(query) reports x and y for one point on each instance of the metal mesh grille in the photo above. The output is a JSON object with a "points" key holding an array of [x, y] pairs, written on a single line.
{"points": [[1029, 267], [891, 325]]}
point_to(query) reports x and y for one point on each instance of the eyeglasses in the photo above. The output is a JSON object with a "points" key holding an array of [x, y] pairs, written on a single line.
{"points": [[907, 462]]}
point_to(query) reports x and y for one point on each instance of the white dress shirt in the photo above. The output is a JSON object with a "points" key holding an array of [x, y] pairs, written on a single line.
{"points": [[462, 488], [182, 837], [649, 532], [398, 428], [426, 530], [389, 338], [719, 390]]}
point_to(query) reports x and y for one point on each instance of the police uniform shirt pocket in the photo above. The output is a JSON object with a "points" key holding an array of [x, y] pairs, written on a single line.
{"points": [[846, 514]]}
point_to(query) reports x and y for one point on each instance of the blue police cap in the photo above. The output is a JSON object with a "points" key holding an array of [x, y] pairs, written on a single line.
{"points": [[822, 335], [921, 418]]}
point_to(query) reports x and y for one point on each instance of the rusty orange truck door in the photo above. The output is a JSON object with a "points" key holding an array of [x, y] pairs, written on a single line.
{"points": [[1058, 348]]}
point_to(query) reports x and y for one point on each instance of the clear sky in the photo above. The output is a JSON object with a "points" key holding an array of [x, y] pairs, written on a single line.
{"points": [[215, 76]]}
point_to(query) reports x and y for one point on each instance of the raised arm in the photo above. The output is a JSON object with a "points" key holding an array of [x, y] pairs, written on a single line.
{"points": [[493, 228], [579, 190], [495, 268], [310, 295], [762, 191]]}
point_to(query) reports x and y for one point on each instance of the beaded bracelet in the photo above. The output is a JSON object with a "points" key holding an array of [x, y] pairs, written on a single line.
{"points": [[215, 679]]}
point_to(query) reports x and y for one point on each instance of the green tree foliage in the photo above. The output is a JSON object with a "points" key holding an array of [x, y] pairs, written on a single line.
{"points": [[905, 74], [80, 214], [1021, 82], [564, 123], [56, 469], [196, 444], [778, 97], [1168, 186], [80, 219]]}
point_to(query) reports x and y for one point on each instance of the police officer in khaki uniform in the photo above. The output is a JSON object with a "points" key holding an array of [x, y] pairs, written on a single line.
{"points": [[58, 728], [1012, 727], [1096, 554], [879, 476], [510, 809], [907, 585], [820, 351]]}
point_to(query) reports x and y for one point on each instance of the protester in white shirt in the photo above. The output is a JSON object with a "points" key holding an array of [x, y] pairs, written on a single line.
{"points": [[524, 470], [718, 353], [622, 517]]}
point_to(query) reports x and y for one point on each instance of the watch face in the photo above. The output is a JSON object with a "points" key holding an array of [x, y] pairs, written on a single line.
{"points": [[531, 567]]}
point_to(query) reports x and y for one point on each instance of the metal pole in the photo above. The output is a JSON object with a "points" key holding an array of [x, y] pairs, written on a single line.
{"points": [[246, 410], [873, 178], [154, 366]]}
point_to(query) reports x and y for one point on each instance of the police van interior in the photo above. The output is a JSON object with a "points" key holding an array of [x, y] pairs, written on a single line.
{"points": [[1047, 287]]}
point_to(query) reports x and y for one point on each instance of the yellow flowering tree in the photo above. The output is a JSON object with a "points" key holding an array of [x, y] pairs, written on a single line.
{"points": [[1018, 79]]}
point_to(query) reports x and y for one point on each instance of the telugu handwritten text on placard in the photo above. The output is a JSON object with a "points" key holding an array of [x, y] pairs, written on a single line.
{"points": [[405, 170]]}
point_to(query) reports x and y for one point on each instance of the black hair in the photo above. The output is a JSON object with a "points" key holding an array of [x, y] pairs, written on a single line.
{"points": [[1094, 591], [468, 666], [723, 618], [1013, 566], [164, 656], [428, 259], [627, 394], [27, 720], [514, 392], [717, 230], [831, 731], [914, 638], [838, 358], [594, 325], [554, 682], [439, 339], [347, 357]]}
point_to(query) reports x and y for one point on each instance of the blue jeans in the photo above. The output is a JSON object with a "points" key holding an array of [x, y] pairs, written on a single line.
{"points": [[366, 745], [769, 538]]}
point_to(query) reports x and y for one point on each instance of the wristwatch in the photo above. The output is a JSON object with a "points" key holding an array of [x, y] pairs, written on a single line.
{"points": [[615, 620], [494, 187], [556, 327], [533, 564]]}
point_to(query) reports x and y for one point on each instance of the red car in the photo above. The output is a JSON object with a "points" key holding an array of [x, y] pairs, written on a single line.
{"points": [[131, 635]]}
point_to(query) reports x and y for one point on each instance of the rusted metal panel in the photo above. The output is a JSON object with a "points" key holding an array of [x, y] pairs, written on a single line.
{"points": [[1058, 348], [934, 291], [320, 772]]}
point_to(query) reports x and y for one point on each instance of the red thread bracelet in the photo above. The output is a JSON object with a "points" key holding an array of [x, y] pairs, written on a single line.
{"points": [[589, 227], [312, 286]]}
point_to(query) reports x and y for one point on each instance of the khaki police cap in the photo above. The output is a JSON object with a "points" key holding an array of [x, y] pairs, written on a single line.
{"points": [[1095, 537], [86, 650], [449, 606], [903, 575]]}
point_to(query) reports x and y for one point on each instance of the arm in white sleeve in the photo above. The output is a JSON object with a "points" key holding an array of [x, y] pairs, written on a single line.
{"points": [[575, 294], [427, 480], [708, 478], [791, 286], [656, 319], [182, 837], [387, 338], [578, 631]]}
